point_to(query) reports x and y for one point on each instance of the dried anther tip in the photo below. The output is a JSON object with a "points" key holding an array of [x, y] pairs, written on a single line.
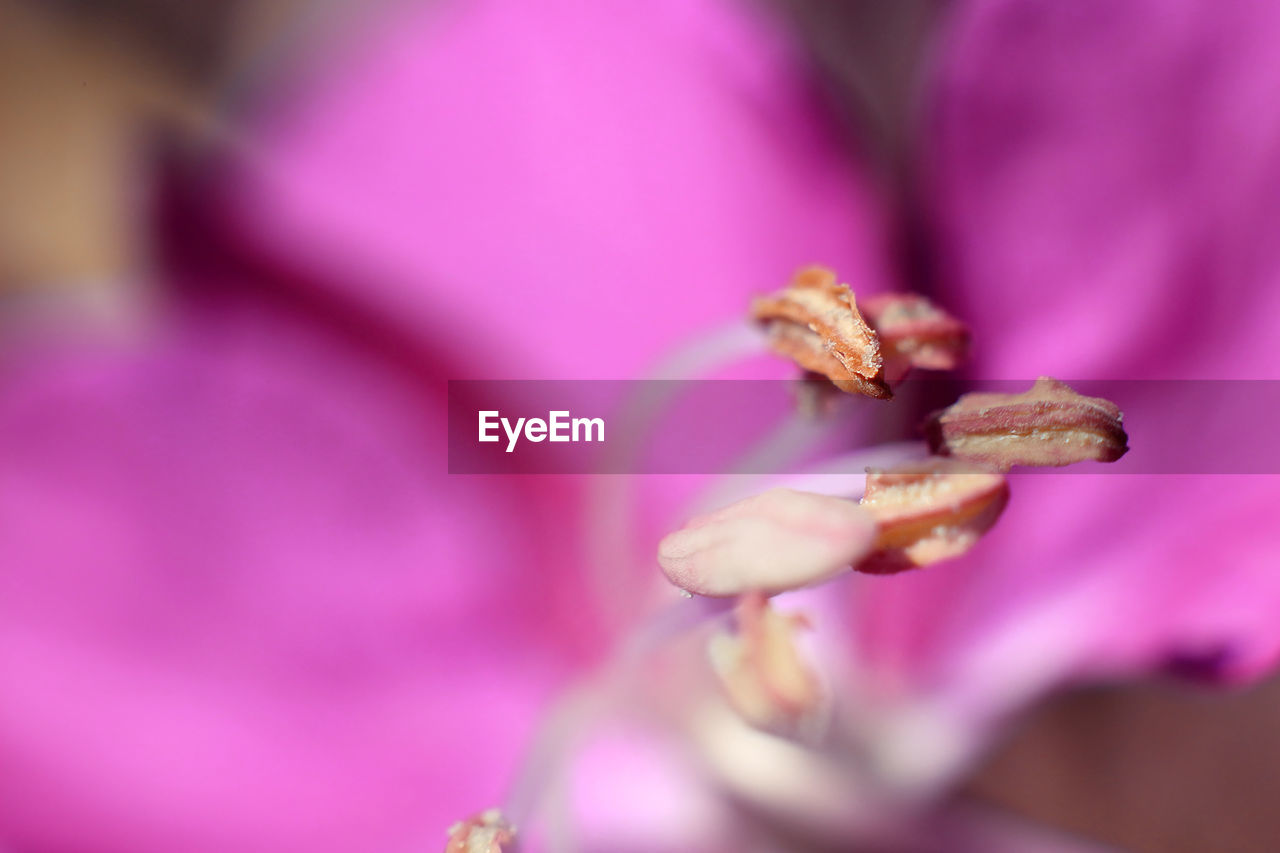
{"points": [[762, 672], [1049, 425], [487, 832], [930, 511], [915, 333], [775, 541], [815, 322]]}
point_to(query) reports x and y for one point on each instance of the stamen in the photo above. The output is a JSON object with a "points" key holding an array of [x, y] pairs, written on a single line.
{"points": [[763, 674], [930, 511], [773, 542], [915, 333], [1049, 425], [611, 505], [486, 832], [815, 322]]}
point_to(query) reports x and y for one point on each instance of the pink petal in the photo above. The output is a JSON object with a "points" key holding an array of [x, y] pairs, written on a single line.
{"points": [[582, 186], [1104, 181], [232, 613], [244, 607]]}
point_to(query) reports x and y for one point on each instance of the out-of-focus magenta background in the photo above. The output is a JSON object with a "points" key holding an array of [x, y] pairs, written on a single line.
{"points": [[243, 248]]}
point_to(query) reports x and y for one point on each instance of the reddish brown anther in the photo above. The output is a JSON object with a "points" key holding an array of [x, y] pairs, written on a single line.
{"points": [[929, 511], [764, 676], [915, 333], [486, 832], [1049, 425], [815, 322]]}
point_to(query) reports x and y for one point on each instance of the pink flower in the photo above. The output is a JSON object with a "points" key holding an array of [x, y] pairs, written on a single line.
{"points": [[245, 607]]}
